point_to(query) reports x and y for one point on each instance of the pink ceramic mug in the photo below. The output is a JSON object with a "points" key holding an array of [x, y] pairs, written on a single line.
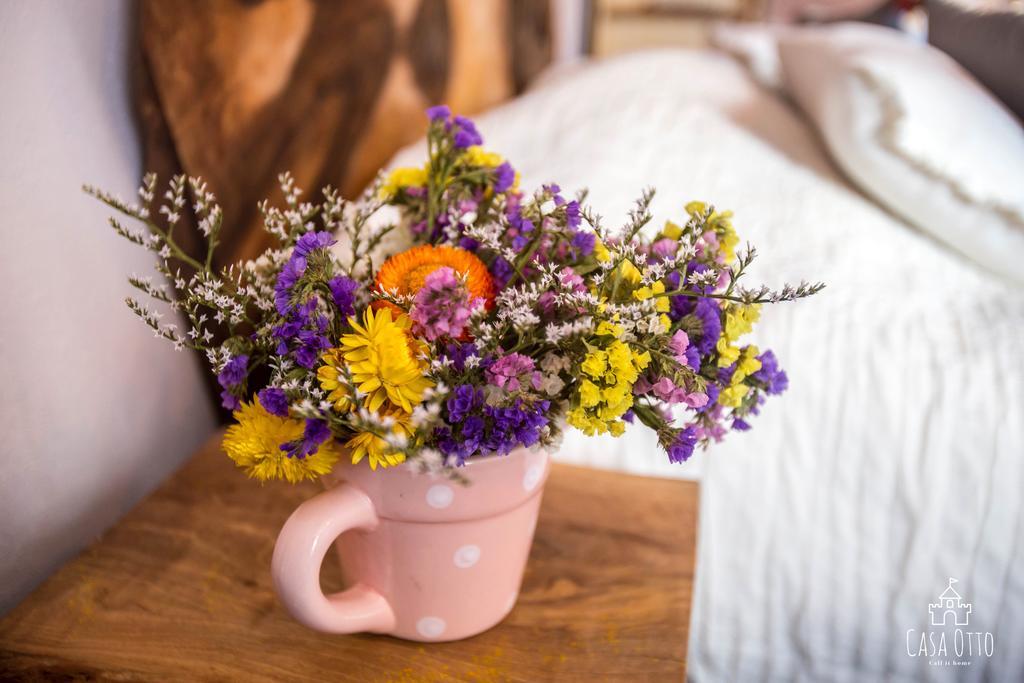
{"points": [[425, 558]]}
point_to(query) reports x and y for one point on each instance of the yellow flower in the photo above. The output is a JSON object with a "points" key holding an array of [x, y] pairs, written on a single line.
{"points": [[375, 449], [732, 397], [727, 353], [590, 395], [606, 327], [739, 320], [747, 364], [594, 364], [602, 400], [626, 362], [671, 231], [406, 176], [661, 305], [381, 361], [695, 207], [629, 272], [478, 156], [601, 252], [254, 443], [331, 377], [727, 239]]}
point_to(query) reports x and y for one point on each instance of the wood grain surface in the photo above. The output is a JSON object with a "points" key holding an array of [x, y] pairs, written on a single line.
{"points": [[180, 590], [238, 91]]}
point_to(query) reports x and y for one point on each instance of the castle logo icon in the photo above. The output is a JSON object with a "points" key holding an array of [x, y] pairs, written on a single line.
{"points": [[950, 610]]}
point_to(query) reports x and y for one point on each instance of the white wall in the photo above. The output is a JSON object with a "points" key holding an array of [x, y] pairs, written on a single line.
{"points": [[94, 411]]}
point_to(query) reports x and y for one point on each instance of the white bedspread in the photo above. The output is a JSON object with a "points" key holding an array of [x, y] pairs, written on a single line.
{"points": [[895, 460]]}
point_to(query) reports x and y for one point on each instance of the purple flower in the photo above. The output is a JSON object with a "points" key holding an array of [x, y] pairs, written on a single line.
{"points": [[706, 311], [234, 371], [692, 357], [274, 401], [504, 176], [629, 416], [513, 212], [465, 399], [572, 214], [439, 112], [229, 400], [312, 241], [315, 433], [466, 134], [469, 244], [513, 371], [583, 242], [230, 379], [473, 430], [286, 279], [516, 425], [458, 352], [502, 272], [681, 447], [725, 374], [463, 436], [771, 374], [296, 267], [343, 291], [709, 314], [474, 427], [303, 333]]}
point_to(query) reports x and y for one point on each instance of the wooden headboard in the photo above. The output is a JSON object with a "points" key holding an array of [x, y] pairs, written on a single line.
{"points": [[239, 90]]}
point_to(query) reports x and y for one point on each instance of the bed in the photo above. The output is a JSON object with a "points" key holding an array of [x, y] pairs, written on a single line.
{"points": [[896, 459]]}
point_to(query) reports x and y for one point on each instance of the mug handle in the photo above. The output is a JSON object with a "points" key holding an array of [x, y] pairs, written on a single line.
{"points": [[299, 552]]}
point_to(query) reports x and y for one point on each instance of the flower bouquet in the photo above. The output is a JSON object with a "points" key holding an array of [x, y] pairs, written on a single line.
{"points": [[511, 316]]}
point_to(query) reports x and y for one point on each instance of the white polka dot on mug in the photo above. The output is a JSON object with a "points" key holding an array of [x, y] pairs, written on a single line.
{"points": [[466, 556], [440, 496], [431, 627]]}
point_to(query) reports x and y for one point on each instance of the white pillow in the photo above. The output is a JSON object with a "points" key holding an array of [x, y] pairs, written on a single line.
{"points": [[755, 45], [918, 133]]}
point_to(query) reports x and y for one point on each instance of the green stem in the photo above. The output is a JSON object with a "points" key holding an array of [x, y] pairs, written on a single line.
{"points": [[698, 295], [178, 252]]}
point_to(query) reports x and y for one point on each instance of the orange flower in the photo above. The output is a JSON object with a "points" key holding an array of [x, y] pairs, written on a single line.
{"points": [[406, 271]]}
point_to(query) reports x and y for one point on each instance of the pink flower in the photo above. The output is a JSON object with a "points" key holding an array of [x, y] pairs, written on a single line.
{"points": [[724, 276], [713, 433], [680, 341], [571, 281], [709, 241], [443, 306], [666, 390], [664, 248], [512, 371]]}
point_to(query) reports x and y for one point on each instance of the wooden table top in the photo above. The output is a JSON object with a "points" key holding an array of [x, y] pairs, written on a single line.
{"points": [[180, 589]]}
